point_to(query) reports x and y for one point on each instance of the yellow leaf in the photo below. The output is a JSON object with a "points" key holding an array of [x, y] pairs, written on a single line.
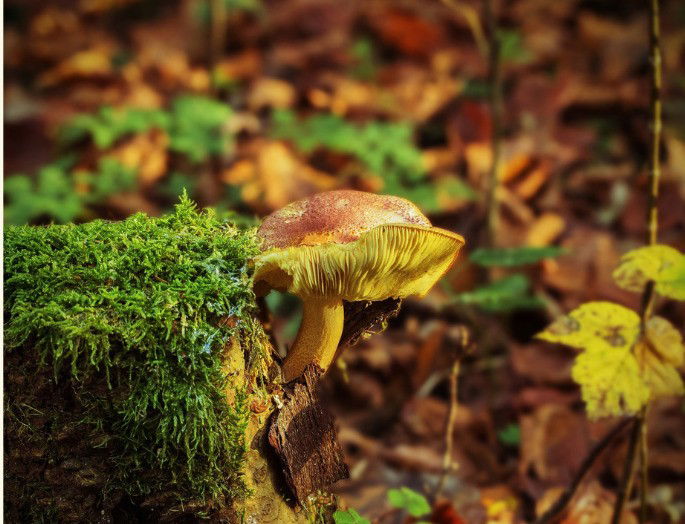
{"points": [[599, 325], [663, 264], [666, 341], [620, 370], [607, 371], [610, 382], [658, 354]]}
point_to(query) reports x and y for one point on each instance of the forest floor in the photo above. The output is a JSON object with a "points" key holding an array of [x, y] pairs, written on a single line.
{"points": [[313, 95]]}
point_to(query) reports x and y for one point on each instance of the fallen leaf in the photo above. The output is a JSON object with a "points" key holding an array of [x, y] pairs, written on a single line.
{"points": [[592, 504], [91, 63], [271, 92], [407, 32], [145, 152], [533, 181], [545, 229], [554, 440], [658, 354]]}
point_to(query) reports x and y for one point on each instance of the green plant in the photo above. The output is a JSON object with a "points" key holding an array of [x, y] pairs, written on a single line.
{"points": [[402, 498], [108, 125], [407, 499], [384, 149], [365, 61], [127, 314], [513, 291], [512, 48], [349, 516], [510, 435], [195, 125], [54, 193], [510, 257]]}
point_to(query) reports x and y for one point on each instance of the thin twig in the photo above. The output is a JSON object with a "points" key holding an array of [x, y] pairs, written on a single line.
{"points": [[560, 505], [639, 435], [655, 103], [628, 472], [447, 464], [464, 346], [644, 469], [495, 80]]}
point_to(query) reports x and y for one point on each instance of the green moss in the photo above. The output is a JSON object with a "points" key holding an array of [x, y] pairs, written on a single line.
{"points": [[143, 308]]}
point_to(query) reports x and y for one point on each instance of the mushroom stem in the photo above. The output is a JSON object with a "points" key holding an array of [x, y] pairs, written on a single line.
{"points": [[318, 337]]}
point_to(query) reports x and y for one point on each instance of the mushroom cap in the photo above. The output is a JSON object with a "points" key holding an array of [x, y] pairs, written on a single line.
{"points": [[355, 246]]}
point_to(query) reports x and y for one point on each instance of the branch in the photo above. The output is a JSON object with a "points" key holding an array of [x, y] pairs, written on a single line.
{"points": [[628, 471], [495, 63], [560, 505], [638, 440]]}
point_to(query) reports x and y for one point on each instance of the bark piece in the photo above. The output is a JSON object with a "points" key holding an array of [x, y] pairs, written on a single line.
{"points": [[365, 317], [304, 437]]}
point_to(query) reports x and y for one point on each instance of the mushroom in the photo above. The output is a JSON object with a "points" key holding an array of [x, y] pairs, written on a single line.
{"points": [[347, 245]]}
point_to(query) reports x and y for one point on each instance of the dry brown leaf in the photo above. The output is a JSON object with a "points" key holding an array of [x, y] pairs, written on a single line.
{"points": [[98, 6], [554, 440], [407, 32], [546, 228], [275, 176], [146, 153], [592, 504], [478, 160], [515, 166], [142, 95], [439, 158], [246, 64], [531, 183], [417, 95], [91, 63], [271, 92], [349, 95]]}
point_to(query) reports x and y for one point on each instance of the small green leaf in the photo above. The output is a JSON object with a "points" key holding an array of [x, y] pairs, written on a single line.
{"points": [[515, 256], [349, 517], [510, 435], [411, 501], [507, 294], [512, 47]]}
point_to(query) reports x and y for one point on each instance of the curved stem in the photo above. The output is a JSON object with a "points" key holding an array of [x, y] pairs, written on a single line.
{"points": [[318, 337]]}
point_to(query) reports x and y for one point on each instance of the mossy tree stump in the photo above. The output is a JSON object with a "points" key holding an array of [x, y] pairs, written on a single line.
{"points": [[137, 379]]}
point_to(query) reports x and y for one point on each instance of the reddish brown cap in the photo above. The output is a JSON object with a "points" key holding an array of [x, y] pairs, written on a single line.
{"points": [[335, 216]]}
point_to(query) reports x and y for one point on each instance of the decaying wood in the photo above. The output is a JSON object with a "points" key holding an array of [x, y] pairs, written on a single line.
{"points": [[366, 317], [304, 437]]}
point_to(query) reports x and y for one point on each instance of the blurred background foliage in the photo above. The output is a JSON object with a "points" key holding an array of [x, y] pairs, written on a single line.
{"points": [[118, 106]]}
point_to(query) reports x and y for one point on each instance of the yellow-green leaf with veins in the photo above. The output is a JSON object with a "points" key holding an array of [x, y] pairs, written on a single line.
{"points": [[610, 382], [663, 264], [595, 325], [658, 354], [619, 370]]}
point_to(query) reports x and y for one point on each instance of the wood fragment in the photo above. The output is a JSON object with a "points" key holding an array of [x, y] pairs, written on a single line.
{"points": [[304, 437], [366, 317]]}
